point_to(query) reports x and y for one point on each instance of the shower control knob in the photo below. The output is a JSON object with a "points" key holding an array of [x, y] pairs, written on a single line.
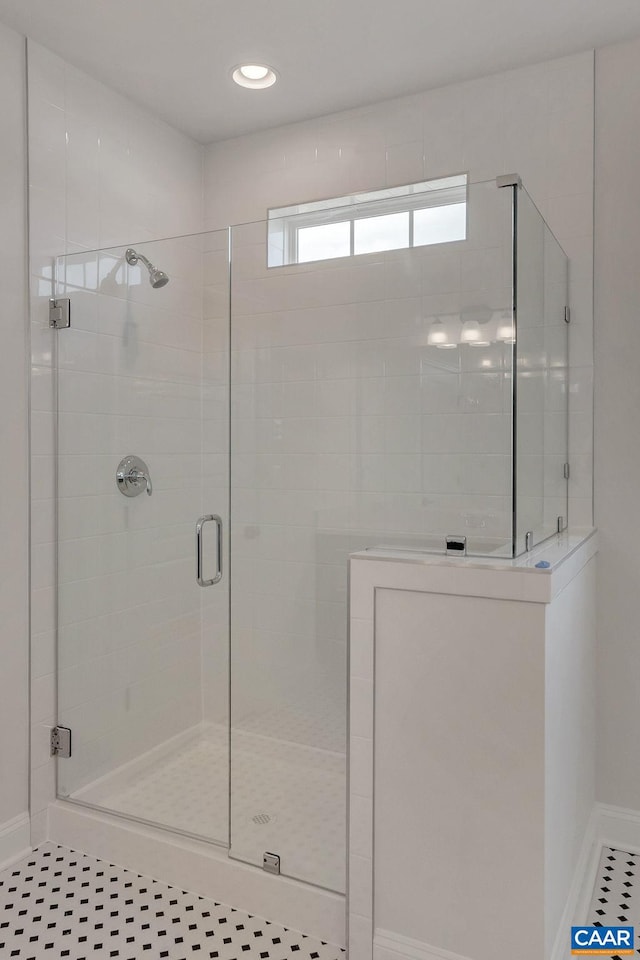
{"points": [[133, 477]]}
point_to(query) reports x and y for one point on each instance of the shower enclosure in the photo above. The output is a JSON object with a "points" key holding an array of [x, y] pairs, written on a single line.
{"points": [[291, 415]]}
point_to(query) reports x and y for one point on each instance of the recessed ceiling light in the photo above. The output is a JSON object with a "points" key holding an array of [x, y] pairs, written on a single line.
{"points": [[256, 76]]}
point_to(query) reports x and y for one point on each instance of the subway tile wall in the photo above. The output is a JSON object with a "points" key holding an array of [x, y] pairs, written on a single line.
{"points": [[102, 172], [337, 444], [131, 637], [536, 121]]}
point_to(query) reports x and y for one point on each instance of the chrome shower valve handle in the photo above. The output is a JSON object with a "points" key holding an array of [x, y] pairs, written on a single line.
{"points": [[133, 477]]}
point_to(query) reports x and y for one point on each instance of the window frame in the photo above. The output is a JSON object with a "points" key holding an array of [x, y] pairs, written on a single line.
{"points": [[285, 223]]}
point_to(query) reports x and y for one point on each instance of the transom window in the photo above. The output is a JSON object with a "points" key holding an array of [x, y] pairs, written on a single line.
{"points": [[418, 214]]}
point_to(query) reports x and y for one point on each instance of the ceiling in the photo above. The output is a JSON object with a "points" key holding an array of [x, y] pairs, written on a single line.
{"points": [[174, 56]]}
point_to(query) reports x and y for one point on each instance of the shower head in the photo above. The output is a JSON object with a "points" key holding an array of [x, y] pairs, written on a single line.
{"points": [[157, 278]]}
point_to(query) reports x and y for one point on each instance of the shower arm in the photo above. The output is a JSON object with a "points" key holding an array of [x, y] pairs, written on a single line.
{"points": [[132, 257]]}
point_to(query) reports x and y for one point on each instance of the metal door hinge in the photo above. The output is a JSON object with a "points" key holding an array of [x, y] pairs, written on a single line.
{"points": [[61, 742], [566, 471], [561, 525], [528, 540], [567, 314], [60, 313], [271, 863]]}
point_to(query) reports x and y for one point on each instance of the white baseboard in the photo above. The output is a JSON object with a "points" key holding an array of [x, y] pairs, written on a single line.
{"points": [[15, 840], [609, 826], [619, 827], [393, 946], [579, 897], [606, 825], [199, 867]]}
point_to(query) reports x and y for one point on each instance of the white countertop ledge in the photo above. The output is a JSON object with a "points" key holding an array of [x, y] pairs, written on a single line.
{"points": [[517, 579]]}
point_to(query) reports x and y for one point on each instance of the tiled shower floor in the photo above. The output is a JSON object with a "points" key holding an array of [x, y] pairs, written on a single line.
{"points": [[287, 798], [616, 895], [57, 903]]}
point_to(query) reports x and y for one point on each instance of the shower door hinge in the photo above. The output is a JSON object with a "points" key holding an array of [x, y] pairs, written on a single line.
{"points": [[271, 863], [567, 314], [60, 313], [566, 471], [61, 742]]}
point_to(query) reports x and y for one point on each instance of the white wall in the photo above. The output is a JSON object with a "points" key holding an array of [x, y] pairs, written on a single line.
{"points": [[570, 739], [102, 172], [14, 502], [459, 773], [617, 457]]}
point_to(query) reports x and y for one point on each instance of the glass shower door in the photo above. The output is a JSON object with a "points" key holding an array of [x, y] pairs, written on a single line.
{"points": [[142, 454]]}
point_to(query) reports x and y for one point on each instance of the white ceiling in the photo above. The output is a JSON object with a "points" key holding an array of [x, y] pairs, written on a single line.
{"points": [[174, 56]]}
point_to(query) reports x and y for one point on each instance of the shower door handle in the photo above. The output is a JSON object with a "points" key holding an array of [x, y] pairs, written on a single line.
{"points": [[199, 554]]}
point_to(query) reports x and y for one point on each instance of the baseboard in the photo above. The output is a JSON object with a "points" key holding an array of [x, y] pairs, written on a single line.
{"points": [[201, 868], [393, 946], [581, 887], [608, 826], [619, 827], [15, 840]]}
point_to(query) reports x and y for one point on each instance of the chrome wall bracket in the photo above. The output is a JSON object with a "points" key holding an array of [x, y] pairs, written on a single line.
{"points": [[567, 314], [508, 180], [528, 540], [271, 863], [60, 313], [61, 742]]}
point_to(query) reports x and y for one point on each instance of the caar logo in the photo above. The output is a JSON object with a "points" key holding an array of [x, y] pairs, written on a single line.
{"points": [[602, 941]]}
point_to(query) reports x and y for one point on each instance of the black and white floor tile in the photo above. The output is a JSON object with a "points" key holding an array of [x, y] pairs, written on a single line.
{"points": [[57, 903], [616, 895]]}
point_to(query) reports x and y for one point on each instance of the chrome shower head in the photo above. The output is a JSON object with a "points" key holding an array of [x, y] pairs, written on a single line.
{"points": [[157, 278]]}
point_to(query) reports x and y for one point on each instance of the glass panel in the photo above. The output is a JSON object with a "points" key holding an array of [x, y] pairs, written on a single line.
{"points": [[349, 430], [142, 649], [324, 242], [542, 362], [390, 232]]}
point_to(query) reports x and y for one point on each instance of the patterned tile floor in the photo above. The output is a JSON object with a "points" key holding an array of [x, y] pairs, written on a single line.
{"points": [[57, 903], [616, 895], [287, 798]]}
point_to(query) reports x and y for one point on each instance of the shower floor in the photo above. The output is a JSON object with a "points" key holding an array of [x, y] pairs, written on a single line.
{"points": [[288, 798]]}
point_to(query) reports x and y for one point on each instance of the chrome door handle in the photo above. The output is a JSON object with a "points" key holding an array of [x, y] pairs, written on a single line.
{"points": [[199, 561]]}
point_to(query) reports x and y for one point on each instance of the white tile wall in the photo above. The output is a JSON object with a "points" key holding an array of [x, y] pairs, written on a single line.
{"points": [[103, 172], [537, 121], [335, 447]]}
